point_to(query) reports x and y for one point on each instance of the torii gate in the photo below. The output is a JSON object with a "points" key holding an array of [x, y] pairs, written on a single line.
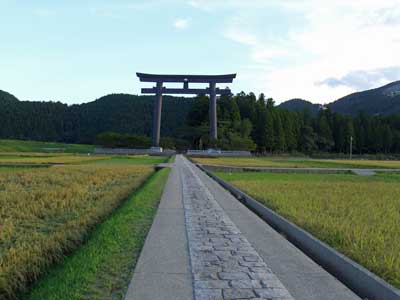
{"points": [[159, 90]]}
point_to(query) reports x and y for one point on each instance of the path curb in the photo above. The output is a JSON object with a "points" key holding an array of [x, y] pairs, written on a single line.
{"points": [[363, 282]]}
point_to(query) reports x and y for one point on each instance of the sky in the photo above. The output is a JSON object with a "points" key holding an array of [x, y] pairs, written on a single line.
{"points": [[77, 51]]}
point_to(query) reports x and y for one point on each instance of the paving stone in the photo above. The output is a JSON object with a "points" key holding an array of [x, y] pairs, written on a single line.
{"points": [[233, 269], [205, 275], [252, 263], [261, 275], [233, 275], [224, 248], [257, 269], [274, 293], [208, 294], [238, 294], [252, 258], [246, 284], [211, 284]]}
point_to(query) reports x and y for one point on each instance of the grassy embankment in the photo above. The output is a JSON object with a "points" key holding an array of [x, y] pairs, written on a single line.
{"points": [[298, 163], [48, 212], [33, 146], [359, 216]]}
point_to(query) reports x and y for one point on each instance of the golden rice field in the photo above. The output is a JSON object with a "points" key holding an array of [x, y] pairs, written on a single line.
{"points": [[47, 212], [41, 158], [297, 163], [359, 216]]}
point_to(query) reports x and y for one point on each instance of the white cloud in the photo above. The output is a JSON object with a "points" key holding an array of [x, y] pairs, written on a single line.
{"points": [[240, 36], [213, 5], [363, 79], [181, 23], [336, 38], [43, 12]]}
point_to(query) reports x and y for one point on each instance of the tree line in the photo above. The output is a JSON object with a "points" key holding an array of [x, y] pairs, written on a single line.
{"points": [[245, 122], [255, 123]]}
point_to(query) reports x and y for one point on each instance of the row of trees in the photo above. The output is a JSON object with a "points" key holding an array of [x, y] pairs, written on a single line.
{"points": [[246, 122]]}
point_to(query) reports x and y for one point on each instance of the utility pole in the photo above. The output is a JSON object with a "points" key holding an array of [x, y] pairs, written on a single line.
{"points": [[351, 147]]}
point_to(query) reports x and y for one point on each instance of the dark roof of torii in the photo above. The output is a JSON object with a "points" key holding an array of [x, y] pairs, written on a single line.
{"points": [[227, 78]]}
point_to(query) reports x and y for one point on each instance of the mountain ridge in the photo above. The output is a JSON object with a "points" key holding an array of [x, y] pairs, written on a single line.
{"points": [[55, 121], [384, 100]]}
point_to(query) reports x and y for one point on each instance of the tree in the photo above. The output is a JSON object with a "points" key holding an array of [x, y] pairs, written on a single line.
{"points": [[307, 139], [387, 138], [269, 132], [339, 133], [348, 133], [270, 103], [324, 133], [280, 143], [245, 128], [259, 134], [198, 113]]}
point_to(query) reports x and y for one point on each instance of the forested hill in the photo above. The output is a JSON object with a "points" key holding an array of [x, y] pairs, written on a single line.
{"points": [[54, 121], [300, 105], [384, 101], [381, 101], [7, 97]]}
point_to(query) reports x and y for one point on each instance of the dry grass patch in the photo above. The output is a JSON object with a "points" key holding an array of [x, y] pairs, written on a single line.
{"points": [[390, 164], [46, 213]]}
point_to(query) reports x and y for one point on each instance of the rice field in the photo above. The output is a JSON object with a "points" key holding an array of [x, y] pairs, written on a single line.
{"points": [[102, 267], [297, 163], [46, 213], [38, 158], [359, 216], [20, 159]]}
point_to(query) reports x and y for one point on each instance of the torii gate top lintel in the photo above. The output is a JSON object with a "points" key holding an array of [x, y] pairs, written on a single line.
{"points": [[226, 78]]}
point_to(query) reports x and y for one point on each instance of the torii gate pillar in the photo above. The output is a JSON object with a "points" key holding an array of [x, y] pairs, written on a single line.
{"points": [[213, 112], [157, 115]]}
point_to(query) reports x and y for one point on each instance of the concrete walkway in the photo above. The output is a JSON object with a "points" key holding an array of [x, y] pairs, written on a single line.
{"points": [[204, 244]]}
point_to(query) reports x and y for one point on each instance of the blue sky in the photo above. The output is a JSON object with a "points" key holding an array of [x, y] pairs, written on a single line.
{"points": [[77, 51]]}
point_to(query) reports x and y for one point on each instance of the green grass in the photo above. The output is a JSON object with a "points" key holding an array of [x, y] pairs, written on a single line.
{"points": [[14, 168], [133, 160], [33, 146], [103, 266], [357, 215], [297, 163]]}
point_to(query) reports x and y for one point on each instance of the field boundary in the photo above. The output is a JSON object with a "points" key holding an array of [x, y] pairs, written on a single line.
{"points": [[363, 282], [297, 170]]}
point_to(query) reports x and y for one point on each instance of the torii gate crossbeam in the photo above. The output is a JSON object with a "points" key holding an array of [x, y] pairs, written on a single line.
{"points": [[159, 90]]}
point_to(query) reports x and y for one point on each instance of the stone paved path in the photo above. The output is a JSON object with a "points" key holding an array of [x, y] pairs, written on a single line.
{"points": [[204, 244], [224, 264]]}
